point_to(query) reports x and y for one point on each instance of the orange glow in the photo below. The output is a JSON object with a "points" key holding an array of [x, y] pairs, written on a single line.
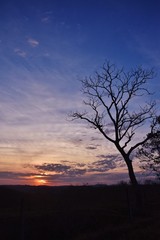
{"points": [[41, 181]]}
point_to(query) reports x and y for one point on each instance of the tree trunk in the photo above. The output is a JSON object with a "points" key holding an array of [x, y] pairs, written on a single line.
{"points": [[129, 164], [131, 172], [136, 189]]}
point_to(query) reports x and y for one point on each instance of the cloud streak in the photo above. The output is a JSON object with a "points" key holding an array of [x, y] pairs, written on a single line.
{"points": [[33, 42], [20, 52], [66, 179]]}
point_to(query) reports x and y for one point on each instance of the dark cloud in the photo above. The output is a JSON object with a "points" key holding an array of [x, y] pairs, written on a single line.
{"points": [[91, 147], [94, 178], [73, 173], [80, 164], [76, 177], [109, 157], [76, 141], [101, 166], [106, 163], [96, 139], [53, 167], [15, 175], [66, 168], [65, 161], [116, 158], [109, 178], [109, 131], [76, 172], [62, 169], [73, 164]]}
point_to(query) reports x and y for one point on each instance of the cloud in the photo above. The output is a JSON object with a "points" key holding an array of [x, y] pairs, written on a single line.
{"points": [[15, 175], [94, 178], [62, 169], [33, 119], [20, 53], [9, 177], [47, 16], [108, 162], [113, 157], [51, 167], [33, 42], [76, 178], [96, 139], [76, 141], [91, 147], [76, 172], [102, 166], [45, 19], [74, 164]]}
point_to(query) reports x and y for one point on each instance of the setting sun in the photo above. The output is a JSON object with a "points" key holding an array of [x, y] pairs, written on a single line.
{"points": [[41, 181]]}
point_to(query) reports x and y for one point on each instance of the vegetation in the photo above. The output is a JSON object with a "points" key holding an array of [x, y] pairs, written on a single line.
{"points": [[110, 108], [149, 153]]}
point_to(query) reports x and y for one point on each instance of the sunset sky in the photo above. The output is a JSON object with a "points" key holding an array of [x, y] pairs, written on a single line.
{"points": [[46, 47]]}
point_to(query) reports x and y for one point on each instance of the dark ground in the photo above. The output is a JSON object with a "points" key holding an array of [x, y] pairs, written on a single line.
{"points": [[78, 213]]}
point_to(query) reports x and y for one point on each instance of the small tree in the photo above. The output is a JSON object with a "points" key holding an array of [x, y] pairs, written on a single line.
{"points": [[110, 97], [149, 153]]}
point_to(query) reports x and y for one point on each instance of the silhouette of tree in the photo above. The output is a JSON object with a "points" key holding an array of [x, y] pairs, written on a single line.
{"points": [[113, 106], [149, 153]]}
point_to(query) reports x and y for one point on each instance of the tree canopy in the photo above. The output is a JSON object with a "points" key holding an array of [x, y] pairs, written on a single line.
{"points": [[149, 152]]}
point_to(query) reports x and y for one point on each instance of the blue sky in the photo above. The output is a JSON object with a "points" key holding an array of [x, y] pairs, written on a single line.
{"points": [[45, 48]]}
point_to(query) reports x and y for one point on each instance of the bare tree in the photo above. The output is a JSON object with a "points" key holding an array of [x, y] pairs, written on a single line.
{"points": [[113, 106]]}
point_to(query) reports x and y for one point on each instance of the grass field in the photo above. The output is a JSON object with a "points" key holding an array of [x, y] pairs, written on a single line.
{"points": [[78, 213]]}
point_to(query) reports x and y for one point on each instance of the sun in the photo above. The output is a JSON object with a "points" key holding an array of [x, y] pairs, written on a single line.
{"points": [[41, 181]]}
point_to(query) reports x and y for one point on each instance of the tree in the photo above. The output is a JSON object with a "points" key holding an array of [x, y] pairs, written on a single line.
{"points": [[149, 153], [110, 96]]}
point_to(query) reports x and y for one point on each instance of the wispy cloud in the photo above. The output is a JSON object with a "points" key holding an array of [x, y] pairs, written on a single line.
{"points": [[14, 175], [34, 126], [93, 147], [45, 19], [33, 42], [20, 52]]}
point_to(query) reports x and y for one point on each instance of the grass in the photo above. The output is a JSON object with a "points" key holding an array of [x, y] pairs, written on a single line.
{"points": [[78, 213]]}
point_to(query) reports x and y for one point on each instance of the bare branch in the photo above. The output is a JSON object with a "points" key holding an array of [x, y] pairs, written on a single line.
{"points": [[110, 96]]}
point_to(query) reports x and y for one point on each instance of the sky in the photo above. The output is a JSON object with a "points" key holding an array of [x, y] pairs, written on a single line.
{"points": [[46, 47]]}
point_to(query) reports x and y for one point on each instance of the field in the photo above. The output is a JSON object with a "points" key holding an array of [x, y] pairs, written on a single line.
{"points": [[79, 213]]}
